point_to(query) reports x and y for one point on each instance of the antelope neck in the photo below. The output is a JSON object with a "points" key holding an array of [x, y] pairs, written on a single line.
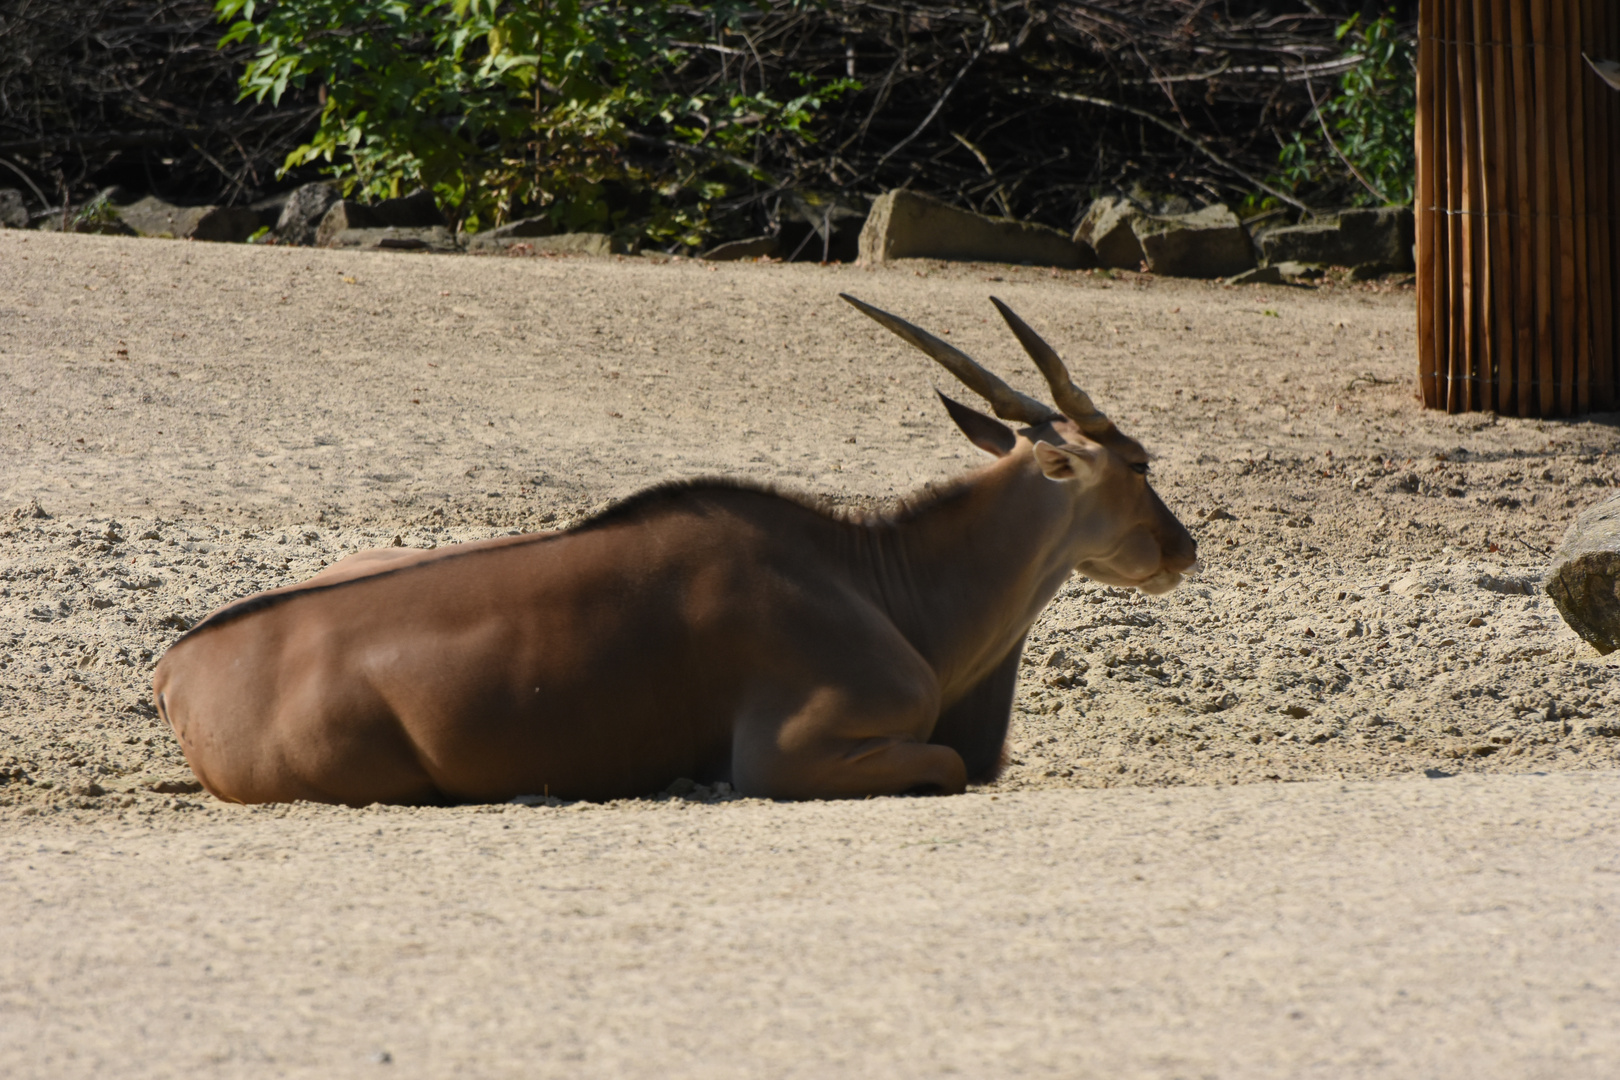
{"points": [[965, 580]]}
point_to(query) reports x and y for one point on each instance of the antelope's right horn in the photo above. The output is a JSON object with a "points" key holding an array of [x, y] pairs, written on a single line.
{"points": [[1006, 402]]}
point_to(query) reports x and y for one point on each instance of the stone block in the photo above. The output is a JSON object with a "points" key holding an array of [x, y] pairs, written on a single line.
{"points": [[432, 238], [906, 225], [152, 216], [1108, 229], [417, 210], [758, 247], [13, 210], [521, 228], [1209, 243], [1308, 271], [1260, 275], [555, 244], [1378, 239], [1584, 581], [301, 214]]}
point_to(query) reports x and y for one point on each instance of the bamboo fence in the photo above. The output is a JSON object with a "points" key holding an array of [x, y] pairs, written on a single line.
{"points": [[1518, 188]]}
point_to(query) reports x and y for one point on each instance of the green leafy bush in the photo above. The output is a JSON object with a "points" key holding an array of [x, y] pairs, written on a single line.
{"points": [[509, 110], [1359, 147]]}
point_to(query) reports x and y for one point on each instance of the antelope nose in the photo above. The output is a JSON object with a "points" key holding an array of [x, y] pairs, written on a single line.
{"points": [[1180, 553]]}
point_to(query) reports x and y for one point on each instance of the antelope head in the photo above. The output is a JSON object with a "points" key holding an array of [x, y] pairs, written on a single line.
{"points": [[1123, 534]]}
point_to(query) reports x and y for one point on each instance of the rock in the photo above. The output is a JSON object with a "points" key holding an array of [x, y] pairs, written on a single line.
{"points": [[759, 247], [174, 786], [1507, 585], [1108, 230], [389, 238], [417, 210], [556, 244], [1371, 241], [1584, 581], [98, 217], [1207, 244], [301, 214], [682, 786], [88, 788], [1160, 203], [29, 511], [342, 216], [906, 225], [523, 227], [13, 210], [270, 207], [152, 216], [1308, 271], [1260, 275]]}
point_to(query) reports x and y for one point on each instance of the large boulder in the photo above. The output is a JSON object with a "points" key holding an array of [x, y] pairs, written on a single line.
{"points": [[1109, 230], [1209, 243], [389, 238], [1371, 241], [525, 237], [521, 229], [1260, 275], [13, 210], [152, 216], [301, 214], [1584, 581], [758, 247], [906, 225], [418, 210]]}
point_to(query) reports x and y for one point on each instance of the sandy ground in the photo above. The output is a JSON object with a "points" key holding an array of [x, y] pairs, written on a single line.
{"points": [[196, 422], [1410, 928]]}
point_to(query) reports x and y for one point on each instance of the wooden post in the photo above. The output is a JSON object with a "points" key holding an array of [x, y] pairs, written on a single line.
{"points": [[1518, 206]]}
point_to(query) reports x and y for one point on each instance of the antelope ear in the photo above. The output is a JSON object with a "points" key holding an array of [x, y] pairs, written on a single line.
{"points": [[1066, 462], [991, 436]]}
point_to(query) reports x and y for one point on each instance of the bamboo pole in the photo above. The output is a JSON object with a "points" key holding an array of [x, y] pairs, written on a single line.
{"points": [[1518, 227], [1428, 68], [1455, 217], [1499, 176], [1469, 207], [1521, 209], [1606, 190]]}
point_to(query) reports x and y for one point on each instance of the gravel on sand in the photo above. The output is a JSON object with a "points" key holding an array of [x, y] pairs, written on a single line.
{"points": [[182, 424]]}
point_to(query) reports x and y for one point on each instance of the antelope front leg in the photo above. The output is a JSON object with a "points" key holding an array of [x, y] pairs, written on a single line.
{"points": [[837, 746]]}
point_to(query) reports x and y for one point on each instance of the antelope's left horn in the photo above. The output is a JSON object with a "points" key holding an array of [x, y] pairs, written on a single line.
{"points": [[1075, 402]]}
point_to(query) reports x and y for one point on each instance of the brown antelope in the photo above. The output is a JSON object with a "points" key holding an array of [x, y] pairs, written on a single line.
{"points": [[710, 630]]}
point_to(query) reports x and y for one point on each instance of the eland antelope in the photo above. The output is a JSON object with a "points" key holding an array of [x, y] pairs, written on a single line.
{"points": [[711, 629]]}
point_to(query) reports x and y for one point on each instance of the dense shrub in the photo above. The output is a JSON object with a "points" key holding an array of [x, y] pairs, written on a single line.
{"points": [[681, 122], [512, 110], [133, 92], [1360, 147]]}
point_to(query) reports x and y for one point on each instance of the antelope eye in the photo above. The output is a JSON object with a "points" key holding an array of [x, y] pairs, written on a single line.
{"points": [[1139, 467]]}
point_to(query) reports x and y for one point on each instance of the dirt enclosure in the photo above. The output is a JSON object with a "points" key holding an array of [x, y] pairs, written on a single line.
{"points": [[183, 424]]}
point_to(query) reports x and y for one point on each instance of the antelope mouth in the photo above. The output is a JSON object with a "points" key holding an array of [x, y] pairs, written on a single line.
{"points": [[1160, 583], [1163, 580]]}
